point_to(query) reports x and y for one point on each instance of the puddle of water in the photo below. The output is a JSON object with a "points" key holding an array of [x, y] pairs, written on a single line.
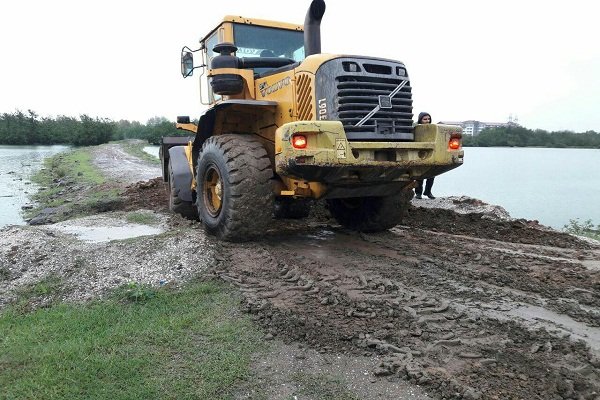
{"points": [[99, 234], [321, 235], [562, 322], [534, 316], [539, 317], [591, 265]]}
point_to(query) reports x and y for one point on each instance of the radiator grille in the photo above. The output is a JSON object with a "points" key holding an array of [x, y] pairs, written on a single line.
{"points": [[357, 95], [349, 89], [304, 97]]}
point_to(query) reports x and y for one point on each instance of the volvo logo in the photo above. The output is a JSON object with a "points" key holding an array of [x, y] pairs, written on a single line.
{"points": [[385, 102], [265, 90]]}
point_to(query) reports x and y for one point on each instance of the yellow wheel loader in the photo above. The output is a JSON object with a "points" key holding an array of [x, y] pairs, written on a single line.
{"points": [[287, 125]]}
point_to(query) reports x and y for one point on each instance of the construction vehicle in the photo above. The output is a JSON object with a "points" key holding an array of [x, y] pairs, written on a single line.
{"points": [[287, 125]]}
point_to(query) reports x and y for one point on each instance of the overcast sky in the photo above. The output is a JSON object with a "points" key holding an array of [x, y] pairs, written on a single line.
{"points": [[482, 60]]}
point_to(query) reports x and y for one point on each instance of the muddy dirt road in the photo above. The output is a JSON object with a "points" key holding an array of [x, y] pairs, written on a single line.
{"points": [[460, 314], [117, 164], [466, 306]]}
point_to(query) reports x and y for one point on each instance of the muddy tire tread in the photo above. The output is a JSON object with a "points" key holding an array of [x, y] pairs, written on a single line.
{"points": [[248, 201]]}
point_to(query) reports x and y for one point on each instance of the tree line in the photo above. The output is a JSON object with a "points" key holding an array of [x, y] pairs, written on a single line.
{"points": [[518, 136], [28, 128]]}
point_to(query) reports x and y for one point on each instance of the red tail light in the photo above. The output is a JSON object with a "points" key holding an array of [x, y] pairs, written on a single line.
{"points": [[299, 141], [454, 143]]}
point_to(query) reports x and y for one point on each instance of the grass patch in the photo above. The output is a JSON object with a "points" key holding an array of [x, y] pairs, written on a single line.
{"points": [[136, 149], [137, 292], [71, 166], [62, 172], [101, 200], [141, 218], [5, 273], [585, 228], [45, 291], [186, 344], [47, 286], [72, 183]]}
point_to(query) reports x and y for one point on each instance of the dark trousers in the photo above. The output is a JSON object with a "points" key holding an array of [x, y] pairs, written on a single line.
{"points": [[428, 186]]}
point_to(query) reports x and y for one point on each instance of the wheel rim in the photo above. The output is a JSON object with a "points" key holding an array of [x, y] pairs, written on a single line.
{"points": [[213, 191]]}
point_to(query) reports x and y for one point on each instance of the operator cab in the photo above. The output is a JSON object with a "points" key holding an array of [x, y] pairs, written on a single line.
{"points": [[242, 43], [264, 42]]}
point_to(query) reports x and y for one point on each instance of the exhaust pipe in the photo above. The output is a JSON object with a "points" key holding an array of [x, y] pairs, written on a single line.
{"points": [[312, 27]]}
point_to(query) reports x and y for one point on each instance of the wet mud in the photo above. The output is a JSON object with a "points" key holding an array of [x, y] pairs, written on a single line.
{"points": [[465, 306]]}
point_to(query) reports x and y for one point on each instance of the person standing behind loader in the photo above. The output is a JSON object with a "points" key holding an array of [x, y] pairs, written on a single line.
{"points": [[424, 118]]}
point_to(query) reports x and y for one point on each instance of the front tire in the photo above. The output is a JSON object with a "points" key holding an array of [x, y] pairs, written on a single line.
{"points": [[370, 214], [234, 195]]}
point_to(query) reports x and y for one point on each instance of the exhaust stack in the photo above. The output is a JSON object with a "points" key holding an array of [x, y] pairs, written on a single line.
{"points": [[312, 27]]}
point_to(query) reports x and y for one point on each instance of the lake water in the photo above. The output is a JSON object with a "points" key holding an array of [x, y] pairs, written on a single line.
{"points": [[552, 186], [152, 150], [17, 165]]}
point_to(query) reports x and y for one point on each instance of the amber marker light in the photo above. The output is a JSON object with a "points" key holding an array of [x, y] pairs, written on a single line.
{"points": [[299, 141], [454, 144]]}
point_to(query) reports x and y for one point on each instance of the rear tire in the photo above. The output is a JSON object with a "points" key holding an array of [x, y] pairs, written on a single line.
{"points": [[184, 208], [371, 214], [234, 194]]}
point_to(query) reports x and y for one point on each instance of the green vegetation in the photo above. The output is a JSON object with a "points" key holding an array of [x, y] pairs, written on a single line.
{"points": [[160, 344], [585, 228], [48, 286], [75, 166], [137, 292], [25, 129], [70, 180], [29, 128], [72, 167], [517, 136], [152, 131], [45, 291]]}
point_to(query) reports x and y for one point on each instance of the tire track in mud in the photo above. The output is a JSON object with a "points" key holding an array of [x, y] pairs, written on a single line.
{"points": [[466, 317]]}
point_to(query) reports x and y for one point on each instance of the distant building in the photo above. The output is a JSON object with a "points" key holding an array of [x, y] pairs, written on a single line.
{"points": [[474, 128]]}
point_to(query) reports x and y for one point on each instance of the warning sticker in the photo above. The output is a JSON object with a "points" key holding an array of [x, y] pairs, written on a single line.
{"points": [[340, 148]]}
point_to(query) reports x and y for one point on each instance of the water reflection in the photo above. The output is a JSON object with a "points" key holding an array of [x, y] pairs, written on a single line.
{"points": [[152, 150]]}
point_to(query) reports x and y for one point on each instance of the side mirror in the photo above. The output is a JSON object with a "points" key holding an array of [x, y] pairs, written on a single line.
{"points": [[187, 63]]}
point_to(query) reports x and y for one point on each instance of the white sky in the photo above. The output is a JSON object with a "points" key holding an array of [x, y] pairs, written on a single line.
{"points": [[480, 60]]}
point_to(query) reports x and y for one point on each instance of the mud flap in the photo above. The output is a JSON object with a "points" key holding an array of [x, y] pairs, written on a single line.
{"points": [[182, 175]]}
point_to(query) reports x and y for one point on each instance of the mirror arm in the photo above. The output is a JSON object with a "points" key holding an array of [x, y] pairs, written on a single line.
{"points": [[186, 49], [200, 82]]}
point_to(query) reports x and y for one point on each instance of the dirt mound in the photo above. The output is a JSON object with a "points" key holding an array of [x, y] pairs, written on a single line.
{"points": [[150, 195], [464, 205], [481, 225]]}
